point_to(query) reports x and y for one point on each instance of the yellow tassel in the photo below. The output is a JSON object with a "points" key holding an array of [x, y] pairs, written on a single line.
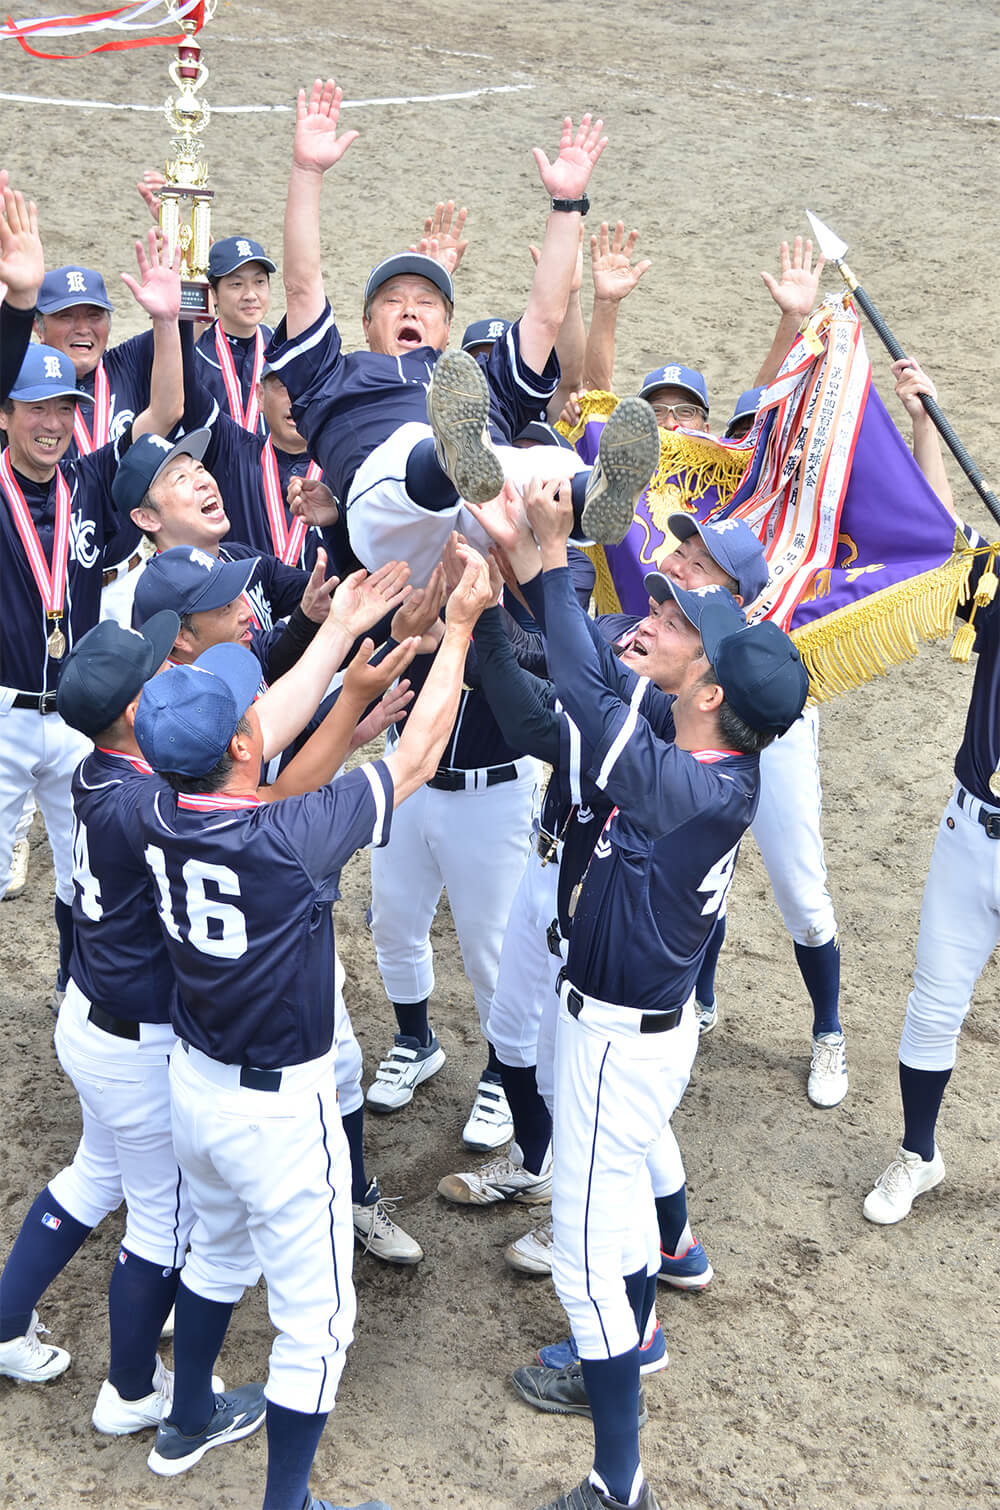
{"points": [[986, 589], [964, 642]]}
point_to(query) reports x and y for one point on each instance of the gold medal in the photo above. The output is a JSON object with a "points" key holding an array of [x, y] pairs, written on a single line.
{"points": [[57, 642], [995, 783]]}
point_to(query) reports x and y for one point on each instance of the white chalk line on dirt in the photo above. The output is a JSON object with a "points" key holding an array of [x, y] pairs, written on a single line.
{"points": [[389, 99], [810, 99]]}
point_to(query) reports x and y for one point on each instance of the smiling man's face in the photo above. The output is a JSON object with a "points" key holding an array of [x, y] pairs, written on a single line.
{"points": [[81, 331], [407, 312]]}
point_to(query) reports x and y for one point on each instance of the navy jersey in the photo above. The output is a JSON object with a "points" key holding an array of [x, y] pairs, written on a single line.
{"points": [[244, 891], [978, 755], [663, 863], [346, 404], [25, 663], [119, 959], [275, 589], [16, 326], [244, 353], [127, 369]]}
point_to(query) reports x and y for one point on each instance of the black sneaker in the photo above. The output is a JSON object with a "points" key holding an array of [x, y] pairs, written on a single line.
{"points": [[238, 1412], [627, 457], [560, 1391], [458, 407]]}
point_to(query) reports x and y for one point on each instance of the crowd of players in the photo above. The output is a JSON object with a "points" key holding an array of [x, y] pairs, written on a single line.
{"points": [[229, 561]]}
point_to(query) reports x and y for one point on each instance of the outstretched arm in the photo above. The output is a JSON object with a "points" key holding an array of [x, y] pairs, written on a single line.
{"points": [[317, 147], [615, 277], [571, 340], [911, 382], [795, 294], [158, 292], [22, 268]]}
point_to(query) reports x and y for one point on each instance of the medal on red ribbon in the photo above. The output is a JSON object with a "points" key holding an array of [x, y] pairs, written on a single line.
{"points": [[250, 416], [88, 441], [286, 539], [51, 584]]}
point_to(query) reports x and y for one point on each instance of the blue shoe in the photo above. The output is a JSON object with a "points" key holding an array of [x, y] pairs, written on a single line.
{"points": [[652, 1357], [238, 1412], [688, 1271], [316, 1504]]}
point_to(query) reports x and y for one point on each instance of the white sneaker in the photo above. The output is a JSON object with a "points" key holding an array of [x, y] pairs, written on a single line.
{"points": [[490, 1123], [502, 1179], [377, 1233], [532, 1253], [707, 1016], [29, 1361], [116, 1417], [407, 1064], [898, 1186], [828, 1070], [18, 870]]}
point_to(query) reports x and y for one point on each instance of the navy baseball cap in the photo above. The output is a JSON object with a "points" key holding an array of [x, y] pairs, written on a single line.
{"points": [[187, 716], [759, 670], [693, 603], [484, 333], [538, 433], [107, 668], [416, 265], [746, 406], [46, 373], [66, 286], [675, 376], [189, 580], [232, 252], [145, 459], [733, 545]]}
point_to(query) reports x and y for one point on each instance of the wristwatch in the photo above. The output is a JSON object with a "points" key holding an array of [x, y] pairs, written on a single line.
{"points": [[569, 206]]}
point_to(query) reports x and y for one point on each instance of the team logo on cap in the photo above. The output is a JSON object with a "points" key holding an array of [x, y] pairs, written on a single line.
{"points": [[725, 524], [244, 249], [706, 592], [201, 558], [495, 330], [75, 283], [158, 440], [672, 374], [53, 367]]}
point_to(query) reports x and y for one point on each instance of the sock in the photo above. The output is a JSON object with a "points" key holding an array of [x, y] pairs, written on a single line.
{"points": [[139, 1299], [411, 1020], [532, 1123], [428, 486], [704, 990], [292, 1439], [64, 923], [48, 1238], [199, 1327], [635, 1289], [820, 967], [672, 1216], [354, 1123], [646, 1311], [578, 492], [921, 1091], [613, 1392], [493, 1065]]}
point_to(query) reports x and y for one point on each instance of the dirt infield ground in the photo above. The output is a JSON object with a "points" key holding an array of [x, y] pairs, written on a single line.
{"points": [[831, 1363]]}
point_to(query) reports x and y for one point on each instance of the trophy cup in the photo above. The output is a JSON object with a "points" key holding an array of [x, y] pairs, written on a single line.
{"points": [[185, 198]]}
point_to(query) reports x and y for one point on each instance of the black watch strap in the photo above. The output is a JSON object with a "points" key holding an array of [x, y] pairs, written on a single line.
{"points": [[570, 206]]}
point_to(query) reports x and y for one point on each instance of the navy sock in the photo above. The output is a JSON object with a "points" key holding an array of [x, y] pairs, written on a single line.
{"points": [[139, 1299], [532, 1123], [578, 492], [64, 923], [411, 1020], [354, 1124], [292, 1439], [921, 1091], [613, 1392], [820, 967], [648, 1302], [426, 483], [672, 1215], [199, 1327], [704, 989], [48, 1238]]}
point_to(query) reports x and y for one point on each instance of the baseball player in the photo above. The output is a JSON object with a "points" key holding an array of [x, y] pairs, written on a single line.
{"points": [[230, 353], [256, 1125], [627, 1032]]}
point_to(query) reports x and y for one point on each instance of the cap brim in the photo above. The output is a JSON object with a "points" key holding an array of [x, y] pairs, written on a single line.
{"points": [[681, 387], [161, 631], [70, 302], [238, 667], [242, 262], [194, 444], [718, 622], [224, 586], [45, 390]]}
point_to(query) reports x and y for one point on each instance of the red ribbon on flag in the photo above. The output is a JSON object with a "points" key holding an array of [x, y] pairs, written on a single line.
{"points": [[67, 25]]}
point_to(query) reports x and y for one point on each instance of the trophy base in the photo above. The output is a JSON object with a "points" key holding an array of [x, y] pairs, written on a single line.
{"points": [[196, 300]]}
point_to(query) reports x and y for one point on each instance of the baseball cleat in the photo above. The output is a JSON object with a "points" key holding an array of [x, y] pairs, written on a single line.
{"points": [[376, 1232], [560, 1391], [652, 1356], [116, 1417], [490, 1123], [586, 1497], [315, 1504], [236, 1415], [627, 457], [18, 870], [707, 1016], [29, 1361], [458, 407], [532, 1253], [690, 1270], [408, 1063], [898, 1186], [502, 1179], [828, 1070]]}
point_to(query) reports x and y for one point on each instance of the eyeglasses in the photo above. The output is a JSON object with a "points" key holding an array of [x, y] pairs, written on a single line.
{"points": [[684, 414]]}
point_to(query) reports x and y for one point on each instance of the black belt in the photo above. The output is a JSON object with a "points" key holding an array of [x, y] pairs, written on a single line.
{"points": [[251, 1079], [118, 1027], [547, 845], [990, 821], [39, 702], [447, 780], [553, 938], [649, 1022]]}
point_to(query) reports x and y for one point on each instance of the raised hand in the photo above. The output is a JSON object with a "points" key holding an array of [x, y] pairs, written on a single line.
{"points": [[317, 145], [420, 613], [148, 188], [311, 500], [911, 382], [569, 175], [361, 600], [442, 238], [390, 709], [611, 263], [549, 511], [472, 593], [797, 290], [366, 682], [159, 292], [22, 261]]}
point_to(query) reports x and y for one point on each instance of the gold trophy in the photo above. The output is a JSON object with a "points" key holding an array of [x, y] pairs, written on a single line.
{"points": [[185, 198]]}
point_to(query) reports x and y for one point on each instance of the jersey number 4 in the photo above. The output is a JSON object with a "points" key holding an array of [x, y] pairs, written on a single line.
{"points": [[717, 882], [210, 925]]}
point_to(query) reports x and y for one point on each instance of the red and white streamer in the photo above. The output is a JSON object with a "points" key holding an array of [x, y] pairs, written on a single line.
{"points": [[121, 18]]}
